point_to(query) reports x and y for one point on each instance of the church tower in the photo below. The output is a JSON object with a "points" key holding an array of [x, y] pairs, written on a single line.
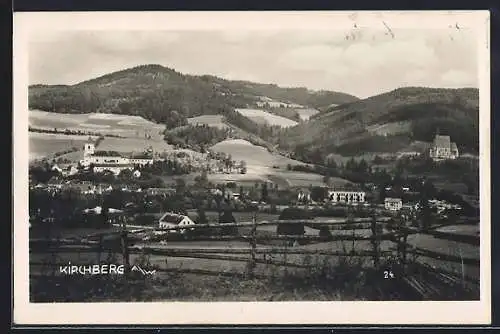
{"points": [[88, 149]]}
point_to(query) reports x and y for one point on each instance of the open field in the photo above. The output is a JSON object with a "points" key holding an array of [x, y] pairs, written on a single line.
{"points": [[123, 125], [264, 117], [389, 128], [133, 144], [46, 144], [210, 120], [306, 113], [301, 179], [284, 179], [134, 128], [254, 155]]}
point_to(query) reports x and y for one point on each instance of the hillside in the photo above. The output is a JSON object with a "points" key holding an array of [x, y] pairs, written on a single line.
{"points": [[254, 156], [263, 117], [166, 96], [389, 122]]}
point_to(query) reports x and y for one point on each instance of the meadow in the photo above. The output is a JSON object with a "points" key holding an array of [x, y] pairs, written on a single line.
{"points": [[137, 145], [254, 155], [123, 125], [306, 113], [46, 144], [264, 117], [134, 129]]}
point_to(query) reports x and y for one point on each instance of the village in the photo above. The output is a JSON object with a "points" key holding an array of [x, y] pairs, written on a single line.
{"points": [[128, 182]]}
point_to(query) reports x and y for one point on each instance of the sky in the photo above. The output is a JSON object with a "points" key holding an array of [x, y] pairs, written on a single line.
{"points": [[361, 62]]}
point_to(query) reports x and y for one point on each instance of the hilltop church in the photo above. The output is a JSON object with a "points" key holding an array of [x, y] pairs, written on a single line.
{"points": [[112, 161], [443, 148]]}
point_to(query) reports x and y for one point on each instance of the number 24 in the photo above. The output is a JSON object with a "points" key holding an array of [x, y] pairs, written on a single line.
{"points": [[388, 274]]}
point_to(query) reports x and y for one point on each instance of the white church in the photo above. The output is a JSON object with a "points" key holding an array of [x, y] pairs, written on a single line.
{"points": [[111, 161]]}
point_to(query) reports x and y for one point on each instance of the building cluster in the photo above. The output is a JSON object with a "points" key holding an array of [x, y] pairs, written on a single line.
{"points": [[112, 161], [56, 184], [346, 196], [442, 206], [336, 196], [393, 204]]}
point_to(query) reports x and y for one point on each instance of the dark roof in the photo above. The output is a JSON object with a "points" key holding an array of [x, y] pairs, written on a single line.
{"points": [[106, 154], [172, 218], [113, 165], [442, 141], [354, 190], [161, 189], [141, 156]]}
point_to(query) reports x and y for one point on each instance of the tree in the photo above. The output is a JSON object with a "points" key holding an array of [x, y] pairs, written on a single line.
{"points": [[425, 214], [292, 228], [202, 217], [243, 166], [228, 218], [264, 193], [319, 194], [362, 166], [125, 174], [378, 160], [241, 193], [180, 186], [202, 179], [382, 193]]}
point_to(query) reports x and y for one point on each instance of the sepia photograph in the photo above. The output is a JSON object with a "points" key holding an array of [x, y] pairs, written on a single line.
{"points": [[339, 160]]}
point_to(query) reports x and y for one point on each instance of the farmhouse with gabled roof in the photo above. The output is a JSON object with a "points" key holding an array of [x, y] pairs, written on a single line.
{"points": [[171, 219]]}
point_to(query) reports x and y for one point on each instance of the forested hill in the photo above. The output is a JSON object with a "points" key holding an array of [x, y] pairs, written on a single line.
{"points": [[166, 96], [390, 122]]}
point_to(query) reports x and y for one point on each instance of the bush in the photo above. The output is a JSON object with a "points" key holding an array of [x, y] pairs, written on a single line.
{"points": [[290, 229], [325, 232]]}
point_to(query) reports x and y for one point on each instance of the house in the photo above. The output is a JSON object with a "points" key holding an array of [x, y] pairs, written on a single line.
{"points": [[141, 159], [55, 183], [70, 170], [393, 204], [160, 191], [304, 196], [408, 154], [346, 196], [170, 219], [443, 148], [56, 168], [136, 173]]}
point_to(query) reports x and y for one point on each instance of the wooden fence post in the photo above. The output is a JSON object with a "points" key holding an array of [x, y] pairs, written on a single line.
{"points": [[404, 247], [402, 240], [100, 249], [253, 243], [125, 253], [375, 242]]}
